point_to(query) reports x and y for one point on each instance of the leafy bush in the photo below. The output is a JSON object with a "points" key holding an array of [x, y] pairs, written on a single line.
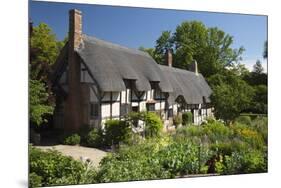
{"points": [[184, 158], [244, 120], [248, 135], [117, 131], [136, 162], [153, 124], [95, 138], [55, 169], [253, 161], [177, 120], [217, 131], [34, 180], [260, 125], [73, 139], [190, 131], [187, 118]]}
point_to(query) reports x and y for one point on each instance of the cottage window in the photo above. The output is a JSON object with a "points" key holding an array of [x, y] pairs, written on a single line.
{"points": [[150, 107], [94, 109], [125, 109]]}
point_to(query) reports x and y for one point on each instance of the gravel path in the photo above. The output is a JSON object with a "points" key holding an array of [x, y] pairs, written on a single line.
{"points": [[78, 152]]}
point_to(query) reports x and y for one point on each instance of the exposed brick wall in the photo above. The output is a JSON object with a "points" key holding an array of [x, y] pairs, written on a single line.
{"points": [[73, 110]]}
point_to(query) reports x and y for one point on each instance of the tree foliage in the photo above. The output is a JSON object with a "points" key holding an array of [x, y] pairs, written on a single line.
{"points": [[192, 40], [231, 95], [163, 43], [44, 49], [38, 105], [258, 67]]}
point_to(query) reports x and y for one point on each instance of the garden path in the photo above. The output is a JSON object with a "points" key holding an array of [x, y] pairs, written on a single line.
{"points": [[79, 152]]}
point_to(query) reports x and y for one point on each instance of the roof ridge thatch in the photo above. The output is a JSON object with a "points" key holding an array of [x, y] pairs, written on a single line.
{"points": [[114, 45]]}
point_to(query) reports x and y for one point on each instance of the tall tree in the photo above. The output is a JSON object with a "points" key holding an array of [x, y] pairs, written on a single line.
{"points": [[44, 49], [151, 52], [163, 43], [231, 95], [210, 47], [38, 102], [257, 68]]}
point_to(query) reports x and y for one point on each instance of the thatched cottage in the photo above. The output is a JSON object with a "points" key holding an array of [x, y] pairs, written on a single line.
{"points": [[97, 80]]}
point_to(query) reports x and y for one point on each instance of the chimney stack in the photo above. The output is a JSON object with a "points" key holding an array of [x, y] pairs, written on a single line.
{"points": [[72, 115], [193, 67], [75, 28], [169, 57]]}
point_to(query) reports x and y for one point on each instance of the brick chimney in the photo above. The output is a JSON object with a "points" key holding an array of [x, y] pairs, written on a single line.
{"points": [[72, 107], [75, 28], [193, 67], [169, 57]]}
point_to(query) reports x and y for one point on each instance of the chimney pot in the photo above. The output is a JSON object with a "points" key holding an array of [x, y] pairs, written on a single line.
{"points": [[169, 57], [194, 67]]}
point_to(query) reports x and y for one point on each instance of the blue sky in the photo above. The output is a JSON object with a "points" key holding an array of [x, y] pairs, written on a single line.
{"points": [[135, 27]]}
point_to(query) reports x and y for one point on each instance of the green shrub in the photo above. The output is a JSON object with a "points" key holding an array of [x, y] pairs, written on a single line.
{"points": [[73, 139], [56, 169], [187, 118], [95, 138], [244, 120], [249, 135], [260, 124], [184, 158], [177, 120], [253, 162], [136, 162], [190, 131], [117, 131], [153, 124], [34, 180], [217, 131]]}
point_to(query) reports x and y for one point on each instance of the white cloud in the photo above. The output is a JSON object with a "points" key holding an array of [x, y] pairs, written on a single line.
{"points": [[249, 63]]}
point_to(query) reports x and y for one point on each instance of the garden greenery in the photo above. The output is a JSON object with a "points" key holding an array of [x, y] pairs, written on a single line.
{"points": [[72, 139], [187, 118], [52, 168], [210, 148]]}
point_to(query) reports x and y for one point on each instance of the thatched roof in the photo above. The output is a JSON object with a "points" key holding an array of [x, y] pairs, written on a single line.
{"points": [[187, 84], [111, 64]]}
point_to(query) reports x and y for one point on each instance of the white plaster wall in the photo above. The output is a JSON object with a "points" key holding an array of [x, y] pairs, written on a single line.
{"points": [[142, 106], [157, 106], [150, 94], [128, 96], [195, 116], [105, 110], [135, 103], [115, 109], [175, 109], [123, 97], [162, 105]]}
